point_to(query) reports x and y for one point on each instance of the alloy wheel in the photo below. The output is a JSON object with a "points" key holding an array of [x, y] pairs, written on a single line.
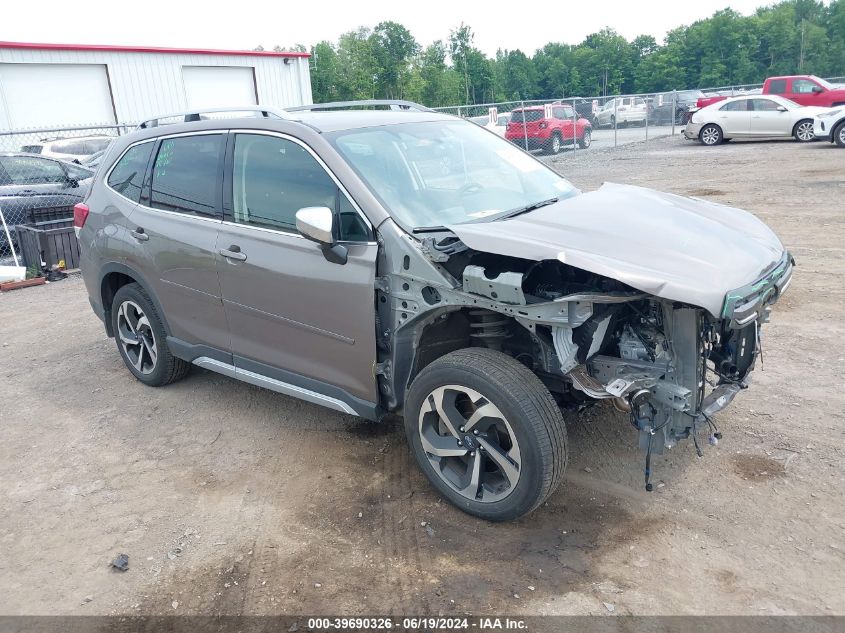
{"points": [[136, 337], [555, 143], [842, 135], [587, 139], [710, 136], [805, 131], [469, 443]]}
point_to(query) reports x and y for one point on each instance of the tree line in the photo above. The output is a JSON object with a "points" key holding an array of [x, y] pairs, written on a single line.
{"points": [[790, 37]]}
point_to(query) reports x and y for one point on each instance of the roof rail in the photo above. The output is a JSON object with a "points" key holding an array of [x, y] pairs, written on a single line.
{"points": [[392, 104], [196, 115]]}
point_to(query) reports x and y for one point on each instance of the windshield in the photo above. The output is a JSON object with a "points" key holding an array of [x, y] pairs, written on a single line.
{"points": [[822, 82], [437, 173]]}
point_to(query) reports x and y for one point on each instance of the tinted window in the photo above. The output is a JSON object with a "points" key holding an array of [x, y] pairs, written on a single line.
{"points": [[274, 178], [185, 174], [529, 115], [777, 86], [736, 106], [128, 175], [26, 170]]}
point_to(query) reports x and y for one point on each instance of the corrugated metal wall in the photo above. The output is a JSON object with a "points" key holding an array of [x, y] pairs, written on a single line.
{"points": [[147, 84]]}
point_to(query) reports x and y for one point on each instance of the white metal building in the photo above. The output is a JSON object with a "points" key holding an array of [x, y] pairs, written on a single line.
{"points": [[45, 85]]}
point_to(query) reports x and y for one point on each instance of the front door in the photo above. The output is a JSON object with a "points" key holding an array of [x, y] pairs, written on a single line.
{"points": [[768, 118], [293, 315]]}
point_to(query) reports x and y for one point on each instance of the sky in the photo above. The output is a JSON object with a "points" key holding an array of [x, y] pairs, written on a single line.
{"points": [[510, 24]]}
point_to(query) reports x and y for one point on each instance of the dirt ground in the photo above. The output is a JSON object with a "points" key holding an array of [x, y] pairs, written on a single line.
{"points": [[230, 499]]}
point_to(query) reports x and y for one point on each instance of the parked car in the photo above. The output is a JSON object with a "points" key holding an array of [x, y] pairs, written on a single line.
{"points": [[622, 111], [829, 125], [75, 148], [320, 255], [805, 90], [747, 117], [531, 129], [31, 184], [93, 161], [498, 127], [668, 106], [586, 108]]}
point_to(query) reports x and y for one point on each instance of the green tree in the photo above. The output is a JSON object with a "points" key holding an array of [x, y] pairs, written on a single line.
{"points": [[393, 48]]}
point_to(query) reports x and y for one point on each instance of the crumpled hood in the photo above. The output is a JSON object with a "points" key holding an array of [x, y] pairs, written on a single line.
{"points": [[676, 248]]}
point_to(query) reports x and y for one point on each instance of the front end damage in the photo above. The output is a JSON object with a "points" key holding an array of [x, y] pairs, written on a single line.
{"points": [[670, 365]]}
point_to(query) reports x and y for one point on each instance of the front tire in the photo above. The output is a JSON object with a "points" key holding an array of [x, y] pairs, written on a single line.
{"points": [[554, 145], [486, 433], [142, 340], [839, 134], [710, 135], [803, 131]]}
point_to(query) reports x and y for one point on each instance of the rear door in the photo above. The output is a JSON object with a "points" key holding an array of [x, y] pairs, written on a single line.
{"points": [[173, 233], [564, 117], [294, 316], [734, 118]]}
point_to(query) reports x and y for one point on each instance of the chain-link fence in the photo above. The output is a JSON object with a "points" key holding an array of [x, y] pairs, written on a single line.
{"points": [[564, 125], [559, 125], [43, 174]]}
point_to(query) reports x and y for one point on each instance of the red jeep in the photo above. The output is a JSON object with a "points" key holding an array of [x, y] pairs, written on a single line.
{"points": [[548, 128]]}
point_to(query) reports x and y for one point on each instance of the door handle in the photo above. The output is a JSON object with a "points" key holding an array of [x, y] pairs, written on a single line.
{"points": [[139, 235], [233, 252]]}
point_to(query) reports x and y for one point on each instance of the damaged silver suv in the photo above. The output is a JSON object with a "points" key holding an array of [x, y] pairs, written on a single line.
{"points": [[403, 261]]}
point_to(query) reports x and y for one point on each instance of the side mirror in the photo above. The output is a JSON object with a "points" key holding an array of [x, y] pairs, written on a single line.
{"points": [[782, 109], [818, 89], [72, 182], [319, 224]]}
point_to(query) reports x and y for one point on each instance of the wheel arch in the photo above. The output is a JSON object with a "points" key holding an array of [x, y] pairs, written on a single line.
{"points": [[434, 335], [797, 123], [715, 125], [113, 276]]}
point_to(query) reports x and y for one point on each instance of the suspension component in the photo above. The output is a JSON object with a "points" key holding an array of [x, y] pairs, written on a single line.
{"points": [[488, 328]]}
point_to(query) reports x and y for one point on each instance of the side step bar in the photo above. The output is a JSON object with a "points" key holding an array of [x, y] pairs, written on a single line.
{"points": [[273, 384]]}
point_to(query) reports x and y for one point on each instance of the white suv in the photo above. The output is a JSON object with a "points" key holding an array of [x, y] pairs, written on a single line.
{"points": [[76, 148], [622, 111]]}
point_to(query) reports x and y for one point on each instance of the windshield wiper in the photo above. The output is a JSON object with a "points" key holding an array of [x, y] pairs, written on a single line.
{"points": [[530, 207], [429, 229]]}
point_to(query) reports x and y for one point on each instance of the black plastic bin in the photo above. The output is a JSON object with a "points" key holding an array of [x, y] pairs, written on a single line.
{"points": [[49, 242]]}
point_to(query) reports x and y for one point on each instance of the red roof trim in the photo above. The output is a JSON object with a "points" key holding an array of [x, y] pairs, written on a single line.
{"points": [[145, 49]]}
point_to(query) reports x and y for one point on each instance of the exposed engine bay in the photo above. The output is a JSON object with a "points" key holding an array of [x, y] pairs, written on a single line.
{"points": [[669, 365]]}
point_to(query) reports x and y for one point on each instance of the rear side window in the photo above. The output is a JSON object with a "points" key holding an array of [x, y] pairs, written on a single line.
{"points": [[185, 174], [736, 106], [128, 175], [777, 86]]}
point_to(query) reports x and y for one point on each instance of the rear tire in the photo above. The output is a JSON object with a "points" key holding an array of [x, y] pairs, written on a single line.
{"points": [[517, 457], [711, 135], [141, 338], [586, 140], [803, 131]]}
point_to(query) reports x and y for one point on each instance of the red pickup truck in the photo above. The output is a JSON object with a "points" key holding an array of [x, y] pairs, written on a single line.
{"points": [[806, 90]]}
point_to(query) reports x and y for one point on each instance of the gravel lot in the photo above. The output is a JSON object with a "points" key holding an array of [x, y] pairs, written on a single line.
{"points": [[230, 499]]}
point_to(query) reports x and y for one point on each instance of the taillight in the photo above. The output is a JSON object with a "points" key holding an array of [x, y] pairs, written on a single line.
{"points": [[80, 214]]}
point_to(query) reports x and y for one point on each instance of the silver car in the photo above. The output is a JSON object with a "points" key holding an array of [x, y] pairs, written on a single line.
{"points": [[409, 262]]}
